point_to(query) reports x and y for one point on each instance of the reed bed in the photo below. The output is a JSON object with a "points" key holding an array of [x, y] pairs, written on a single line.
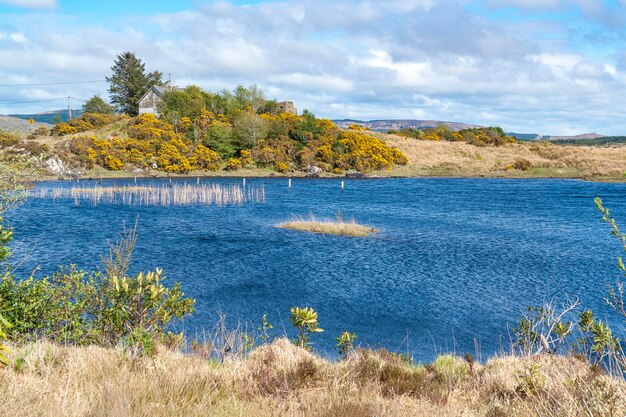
{"points": [[328, 226], [157, 195]]}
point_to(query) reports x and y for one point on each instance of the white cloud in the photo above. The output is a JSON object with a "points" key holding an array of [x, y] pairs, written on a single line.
{"points": [[397, 59], [32, 4]]}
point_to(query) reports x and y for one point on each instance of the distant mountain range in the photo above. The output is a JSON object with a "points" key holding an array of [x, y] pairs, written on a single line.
{"points": [[17, 122], [49, 116], [386, 125]]}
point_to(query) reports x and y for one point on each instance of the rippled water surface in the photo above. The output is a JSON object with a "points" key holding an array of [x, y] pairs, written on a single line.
{"points": [[455, 261]]}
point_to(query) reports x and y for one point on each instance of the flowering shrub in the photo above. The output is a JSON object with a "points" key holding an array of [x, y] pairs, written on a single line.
{"points": [[483, 136], [87, 121], [8, 139], [246, 157], [204, 158], [205, 141], [281, 167], [112, 163], [148, 127], [170, 159], [63, 129], [233, 164], [366, 153]]}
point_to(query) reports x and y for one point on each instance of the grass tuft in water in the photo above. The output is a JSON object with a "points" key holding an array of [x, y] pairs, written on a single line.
{"points": [[328, 226]]}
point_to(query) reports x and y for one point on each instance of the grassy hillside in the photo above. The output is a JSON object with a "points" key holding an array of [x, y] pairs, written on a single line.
{"points": [[283, 380], [521, 159]]}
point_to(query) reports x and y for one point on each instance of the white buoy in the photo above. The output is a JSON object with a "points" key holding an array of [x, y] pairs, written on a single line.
{"points": [[198, 181], [244, 183], [290, 183], [342, 185], [135, 180]]}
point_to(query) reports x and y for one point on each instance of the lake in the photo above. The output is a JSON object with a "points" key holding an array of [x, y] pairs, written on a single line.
{"points": [[455, 262]]}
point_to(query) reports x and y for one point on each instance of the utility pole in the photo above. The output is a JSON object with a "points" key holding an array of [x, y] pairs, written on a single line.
{"points": [[169, 81], [69, 108]]}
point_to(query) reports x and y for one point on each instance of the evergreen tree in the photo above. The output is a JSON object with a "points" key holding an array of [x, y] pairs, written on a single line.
{"points": [[96, 105], [130, 82]]}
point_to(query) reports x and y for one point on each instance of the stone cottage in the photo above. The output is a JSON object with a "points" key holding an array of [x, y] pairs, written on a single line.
{"points": [[150, 100]]}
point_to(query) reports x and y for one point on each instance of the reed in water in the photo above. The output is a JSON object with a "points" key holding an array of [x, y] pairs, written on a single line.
{"points": [[328, 226], [158, 195]]}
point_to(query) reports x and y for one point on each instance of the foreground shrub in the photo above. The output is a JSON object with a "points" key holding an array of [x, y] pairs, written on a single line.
{"points": [[93, 308], [551, 328], [305, 321]]}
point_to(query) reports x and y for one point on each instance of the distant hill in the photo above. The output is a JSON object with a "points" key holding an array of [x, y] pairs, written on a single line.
{"points": [[598, 141], [48, 117], [386, 125], [576, 137], [16, 124], [524, 136]]}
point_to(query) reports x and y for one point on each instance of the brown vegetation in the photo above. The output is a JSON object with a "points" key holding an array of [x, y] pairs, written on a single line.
{"points": [[281, 379], [328, 226], [523, 159]]}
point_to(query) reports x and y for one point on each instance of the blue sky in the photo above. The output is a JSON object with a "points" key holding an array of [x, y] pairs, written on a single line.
{"points": [[543, 66]]}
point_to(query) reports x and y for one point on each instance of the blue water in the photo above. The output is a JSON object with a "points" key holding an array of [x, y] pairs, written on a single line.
{"points": [[454, 264]]}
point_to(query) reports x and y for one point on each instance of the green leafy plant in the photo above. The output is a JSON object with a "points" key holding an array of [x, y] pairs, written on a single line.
{"points": [[543, 329], [532, 381], [305, 321], [345, 343], [264, 329], [94, 308]]}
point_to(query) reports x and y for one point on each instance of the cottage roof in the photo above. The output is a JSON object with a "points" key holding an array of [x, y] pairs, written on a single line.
{"points": [[159, 90]]}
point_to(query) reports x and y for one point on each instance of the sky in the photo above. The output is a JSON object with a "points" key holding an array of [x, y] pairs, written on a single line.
{"points": [[531, 66]]}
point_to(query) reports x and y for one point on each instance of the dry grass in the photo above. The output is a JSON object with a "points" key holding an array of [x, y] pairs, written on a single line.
{"points": [[283, 380], [547, 160], [328, 226]]}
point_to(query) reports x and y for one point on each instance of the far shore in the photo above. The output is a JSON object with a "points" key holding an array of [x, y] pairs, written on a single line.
{"points": [[269, 174]]}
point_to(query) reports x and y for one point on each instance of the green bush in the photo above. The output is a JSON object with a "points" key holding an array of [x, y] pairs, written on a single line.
{"points": [[81, 308]]}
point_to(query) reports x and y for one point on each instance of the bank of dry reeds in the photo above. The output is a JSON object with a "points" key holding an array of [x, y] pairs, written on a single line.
{"points": [[281, 379], [157, 195], [545, 159], [328, 226]]}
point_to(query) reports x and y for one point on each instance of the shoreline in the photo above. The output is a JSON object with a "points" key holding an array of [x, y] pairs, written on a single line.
{"points": [[302, 175]]}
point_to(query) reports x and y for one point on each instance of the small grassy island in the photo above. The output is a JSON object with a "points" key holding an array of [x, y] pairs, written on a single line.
{"points": [[329, 227]]}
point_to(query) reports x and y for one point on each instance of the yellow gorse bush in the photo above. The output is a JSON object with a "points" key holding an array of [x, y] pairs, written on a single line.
{"points": [[366, 153], [87, 121], [209, 142]]}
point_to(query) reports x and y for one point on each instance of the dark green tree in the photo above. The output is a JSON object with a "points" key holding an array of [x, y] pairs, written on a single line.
{"points": [[97, 105], [129, 82]]}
